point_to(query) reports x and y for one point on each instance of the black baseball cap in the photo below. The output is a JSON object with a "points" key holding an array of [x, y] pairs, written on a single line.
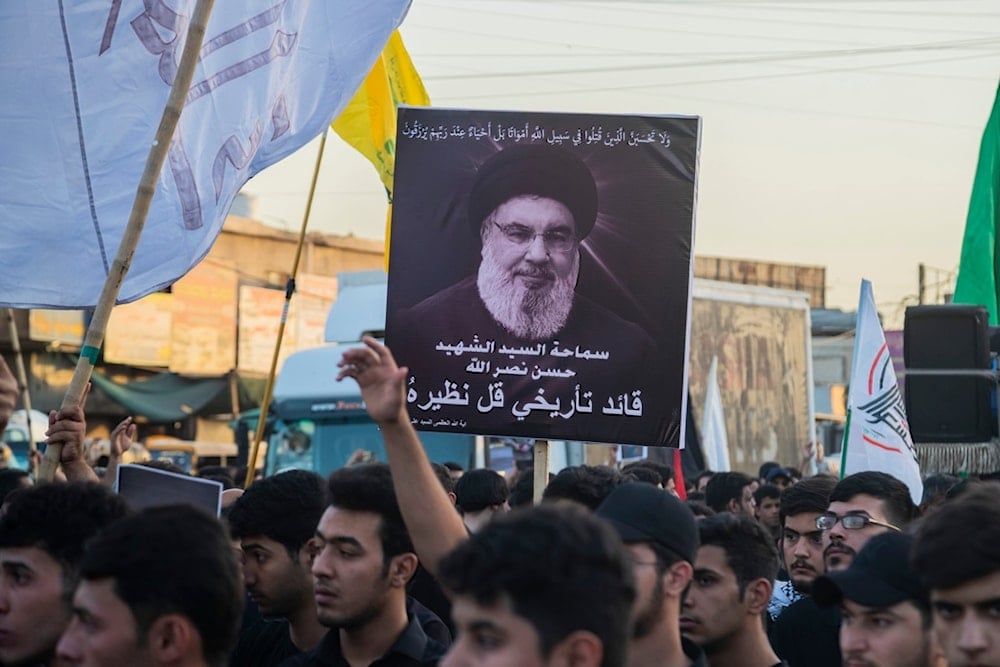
{"points": [[778, 472], [879, 576], [646, 513]]}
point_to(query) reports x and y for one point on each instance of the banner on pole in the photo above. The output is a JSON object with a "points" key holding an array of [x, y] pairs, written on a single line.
{"points": [[714, 441], [86, 84], [877, 436]]}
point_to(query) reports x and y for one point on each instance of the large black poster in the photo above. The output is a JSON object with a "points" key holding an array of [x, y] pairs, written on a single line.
{"points": [[540, 272]]}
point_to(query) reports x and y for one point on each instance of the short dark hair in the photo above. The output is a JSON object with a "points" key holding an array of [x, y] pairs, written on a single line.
{"points": [[587, 485], [766, 491], [173, 559], [443, 474], [368, 488], [809, 495], [478, 489], [749, 547], [702, 475], [895, 496], [725, 486], [165, 465], [662, 470], [285, 508], [523, 491], [936, 487], [11, 480], [451, 465], [59, 519], [698, 508], [537, 558], [960, 540], [645, 475]]}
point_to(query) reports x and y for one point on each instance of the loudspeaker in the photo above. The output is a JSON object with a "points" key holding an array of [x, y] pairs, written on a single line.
{"points": [[943, 408]]}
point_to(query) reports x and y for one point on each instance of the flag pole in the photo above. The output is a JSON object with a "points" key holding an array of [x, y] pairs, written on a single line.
{"points": [[137, 220], [289, 290], [22, 379]]}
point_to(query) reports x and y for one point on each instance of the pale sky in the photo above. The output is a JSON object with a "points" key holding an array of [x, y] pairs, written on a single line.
{"points": [[842, 134]]}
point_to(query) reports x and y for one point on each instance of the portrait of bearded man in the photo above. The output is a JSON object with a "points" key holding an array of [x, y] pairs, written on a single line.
{"points": [[533, 205]]}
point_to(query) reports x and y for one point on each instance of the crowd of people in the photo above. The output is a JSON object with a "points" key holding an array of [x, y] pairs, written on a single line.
{"points": [[411, 564]]}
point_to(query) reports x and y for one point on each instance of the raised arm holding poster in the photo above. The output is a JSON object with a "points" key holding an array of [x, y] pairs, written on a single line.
{"points": [[540, 273]]}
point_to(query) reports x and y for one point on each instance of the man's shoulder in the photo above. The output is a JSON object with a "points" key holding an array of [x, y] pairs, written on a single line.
{"points": [[799, 611], [454, 297], [265, 642], [589, 315]]}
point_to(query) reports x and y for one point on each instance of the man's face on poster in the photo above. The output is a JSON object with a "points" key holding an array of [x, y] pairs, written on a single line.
{"points": [[530, 265]]}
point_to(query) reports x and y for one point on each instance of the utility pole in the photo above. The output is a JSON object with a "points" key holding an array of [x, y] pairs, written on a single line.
{"points": [[921, 283]]}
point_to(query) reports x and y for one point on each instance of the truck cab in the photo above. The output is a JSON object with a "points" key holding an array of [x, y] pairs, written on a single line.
{"points": [[317, 423]]}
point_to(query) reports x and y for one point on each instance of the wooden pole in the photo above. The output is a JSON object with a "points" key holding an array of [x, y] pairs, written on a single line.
{"points": [[289, 290], [541, 480], [22, 378], [136, 221]]}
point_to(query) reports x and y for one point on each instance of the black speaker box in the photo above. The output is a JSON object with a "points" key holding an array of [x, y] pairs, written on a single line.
{"points": [[948, 408]]}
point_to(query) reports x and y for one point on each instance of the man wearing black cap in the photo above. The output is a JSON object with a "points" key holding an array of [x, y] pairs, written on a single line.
{"points": [[660, 534], [532, 206], [885, 609]]}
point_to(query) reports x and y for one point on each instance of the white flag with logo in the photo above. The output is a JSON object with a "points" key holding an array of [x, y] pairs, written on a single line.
{"points": [[84, 85], [714, 442], [877, 436]]}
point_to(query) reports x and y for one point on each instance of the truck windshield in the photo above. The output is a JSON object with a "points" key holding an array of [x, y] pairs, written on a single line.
{"points": [[323, 445]]}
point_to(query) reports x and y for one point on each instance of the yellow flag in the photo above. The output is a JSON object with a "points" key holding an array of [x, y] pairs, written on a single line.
{"points": [[368, 123]]}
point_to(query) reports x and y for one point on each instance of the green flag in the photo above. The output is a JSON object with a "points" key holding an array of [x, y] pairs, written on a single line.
{"points": [[979, 269]]}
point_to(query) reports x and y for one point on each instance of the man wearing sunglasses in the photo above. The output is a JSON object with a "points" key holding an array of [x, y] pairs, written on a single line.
{"points": [[862, 506]]}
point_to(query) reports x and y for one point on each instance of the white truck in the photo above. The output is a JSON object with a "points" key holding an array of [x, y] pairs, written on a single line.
{"points": [[761, 337]]}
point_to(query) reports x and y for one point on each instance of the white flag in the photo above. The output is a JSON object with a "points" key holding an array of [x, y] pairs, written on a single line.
{"points": [[877, 435], [714, 442], [84, 85]]}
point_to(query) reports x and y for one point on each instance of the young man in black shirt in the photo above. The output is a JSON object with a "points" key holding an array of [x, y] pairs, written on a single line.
{"points": [[724, 609], [275, 521]]}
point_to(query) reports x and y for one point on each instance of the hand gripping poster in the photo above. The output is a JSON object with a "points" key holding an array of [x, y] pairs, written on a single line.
{"points": [[540, 273]]}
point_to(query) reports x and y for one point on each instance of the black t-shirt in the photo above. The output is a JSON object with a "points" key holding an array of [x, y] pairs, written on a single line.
{"points": [[806, 635], [693, 653], [264, 643], [413, 648]]}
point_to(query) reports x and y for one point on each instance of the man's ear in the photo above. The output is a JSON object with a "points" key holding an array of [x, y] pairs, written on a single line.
{"points": [[578, 649], [733, 506], [677, 577], [402, 568], [757, 596], [172, 638]]}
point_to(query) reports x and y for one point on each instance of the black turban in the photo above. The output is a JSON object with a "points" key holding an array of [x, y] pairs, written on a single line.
{"points": [[535, 169]]}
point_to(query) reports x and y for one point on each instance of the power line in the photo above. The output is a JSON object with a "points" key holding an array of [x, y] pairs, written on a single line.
{"points": [[794, 57]]}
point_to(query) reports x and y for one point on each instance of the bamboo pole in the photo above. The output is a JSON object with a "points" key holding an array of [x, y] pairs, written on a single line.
{"points": [[541, 472], [137, 220], [289, 290], [22, 379]]}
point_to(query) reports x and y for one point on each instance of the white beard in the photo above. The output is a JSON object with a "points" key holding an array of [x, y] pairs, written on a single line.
{"points": [[532, 314]]}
